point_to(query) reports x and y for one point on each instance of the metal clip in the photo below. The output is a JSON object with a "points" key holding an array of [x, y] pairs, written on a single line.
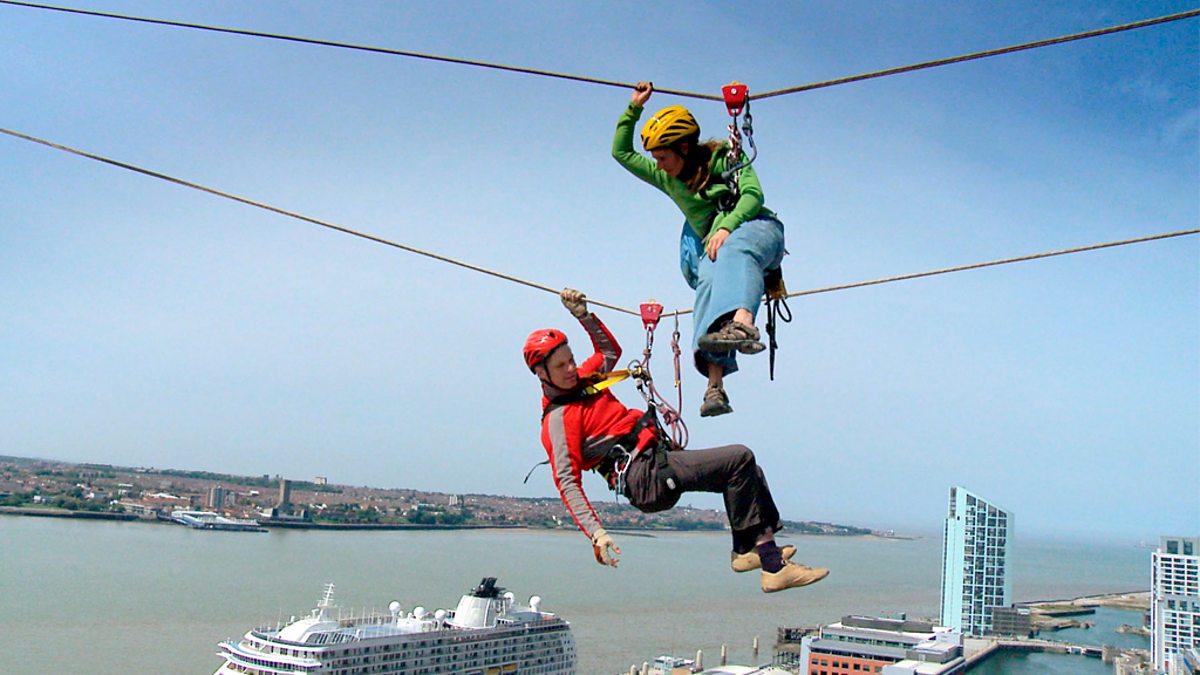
{"points": [[619, 471]]}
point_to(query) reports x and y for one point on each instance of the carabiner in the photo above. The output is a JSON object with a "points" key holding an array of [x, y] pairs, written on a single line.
{"points": [[619, 472]]}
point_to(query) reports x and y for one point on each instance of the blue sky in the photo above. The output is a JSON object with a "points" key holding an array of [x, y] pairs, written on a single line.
{"points": [[146, 324]]}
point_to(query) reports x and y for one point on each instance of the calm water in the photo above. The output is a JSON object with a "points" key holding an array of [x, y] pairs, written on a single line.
{"points": [[79, 596], [1103, 632]]}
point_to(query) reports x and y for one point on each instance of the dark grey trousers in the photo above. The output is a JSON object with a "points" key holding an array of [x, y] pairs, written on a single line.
{"points": [[730, 470]]}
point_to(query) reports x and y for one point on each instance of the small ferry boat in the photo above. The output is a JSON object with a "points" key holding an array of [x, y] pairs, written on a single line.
{"points": [[487, 634], [207, 520]]}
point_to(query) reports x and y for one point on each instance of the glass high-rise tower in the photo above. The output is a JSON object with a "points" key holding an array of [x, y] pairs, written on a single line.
{"points": [[976, 562], [1174, 602]]}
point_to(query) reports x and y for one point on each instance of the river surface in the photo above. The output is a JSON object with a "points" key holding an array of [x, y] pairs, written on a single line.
{"points": [[110, 597]]}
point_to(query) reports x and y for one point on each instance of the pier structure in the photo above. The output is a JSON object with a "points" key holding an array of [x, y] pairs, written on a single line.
{"points": [[979, 650]]}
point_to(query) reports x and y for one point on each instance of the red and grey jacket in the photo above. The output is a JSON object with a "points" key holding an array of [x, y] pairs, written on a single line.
{"points": [[579, 434]]}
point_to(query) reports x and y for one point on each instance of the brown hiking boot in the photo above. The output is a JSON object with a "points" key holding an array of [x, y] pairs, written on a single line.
{"points": [[793, 575], [745, 562], [733, 335], [715, 403]]}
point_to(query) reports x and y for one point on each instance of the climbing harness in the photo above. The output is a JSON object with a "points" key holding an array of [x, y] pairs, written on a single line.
{"points": [[596, 384], [624, 451], [670, 433]]}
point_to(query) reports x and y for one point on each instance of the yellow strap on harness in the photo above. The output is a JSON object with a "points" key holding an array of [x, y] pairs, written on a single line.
{"points": [[607, 380]]}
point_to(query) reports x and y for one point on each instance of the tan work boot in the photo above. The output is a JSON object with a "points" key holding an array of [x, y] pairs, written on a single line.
{"points": [[744, 562], [793, 575], [716, 402]]}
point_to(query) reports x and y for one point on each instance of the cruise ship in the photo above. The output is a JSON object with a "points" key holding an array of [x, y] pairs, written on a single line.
{"points": [[487, 634]]}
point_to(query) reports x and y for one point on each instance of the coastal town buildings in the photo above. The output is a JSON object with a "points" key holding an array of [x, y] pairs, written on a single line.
{"points": [[861, 644], [50, 487], [1174, 603], [216, 498], [976, 563]]}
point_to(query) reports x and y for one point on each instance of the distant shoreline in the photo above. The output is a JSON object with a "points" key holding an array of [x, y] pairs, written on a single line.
{"points": [[53, 488], [412, 527], [266, 523], [66, 513]]}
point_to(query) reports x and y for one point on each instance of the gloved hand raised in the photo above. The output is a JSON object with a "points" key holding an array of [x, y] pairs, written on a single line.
{"points": [[575, 302], [605, 549]]}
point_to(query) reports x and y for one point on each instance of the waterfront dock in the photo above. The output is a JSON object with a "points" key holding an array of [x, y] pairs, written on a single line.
{"points": [[978, 650]]}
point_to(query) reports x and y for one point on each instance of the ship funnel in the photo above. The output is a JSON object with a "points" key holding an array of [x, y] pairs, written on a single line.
{"points": [[480, 607]]}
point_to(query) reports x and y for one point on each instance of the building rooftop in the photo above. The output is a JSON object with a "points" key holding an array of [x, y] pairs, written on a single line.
{"points": [[878, 623]]}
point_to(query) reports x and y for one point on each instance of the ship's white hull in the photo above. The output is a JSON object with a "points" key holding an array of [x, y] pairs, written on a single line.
{"points": [[486, 635]]}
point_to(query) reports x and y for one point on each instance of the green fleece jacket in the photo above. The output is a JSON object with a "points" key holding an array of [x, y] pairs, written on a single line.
{"points": [[701, 212]]}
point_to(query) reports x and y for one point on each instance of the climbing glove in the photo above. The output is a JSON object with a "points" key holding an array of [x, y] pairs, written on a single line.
{"points": [[575, 302], [605, 549]]}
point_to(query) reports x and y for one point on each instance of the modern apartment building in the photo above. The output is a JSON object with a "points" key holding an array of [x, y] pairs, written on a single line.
{"points": [[1174, 603], [976, 562], [859, 645]]}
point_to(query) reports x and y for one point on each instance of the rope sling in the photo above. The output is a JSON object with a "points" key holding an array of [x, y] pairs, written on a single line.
{"points": [[737, 100]]}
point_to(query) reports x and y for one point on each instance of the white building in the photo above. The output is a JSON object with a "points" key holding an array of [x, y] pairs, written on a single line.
{"points": [[863, 644], [976, 556], [1174, 602]]}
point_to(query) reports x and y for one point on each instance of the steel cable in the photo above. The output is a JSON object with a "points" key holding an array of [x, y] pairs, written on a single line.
{"points": [[556, 291], [355, 47], [543, 287], [980, 55], [614, 83], [298, 216], [975, 266]]}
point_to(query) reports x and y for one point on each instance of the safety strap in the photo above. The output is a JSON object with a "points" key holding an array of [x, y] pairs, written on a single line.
{"points": [[725, 199], [777, 308], [596, 384]]}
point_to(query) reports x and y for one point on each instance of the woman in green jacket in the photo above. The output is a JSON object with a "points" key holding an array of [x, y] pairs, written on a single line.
{"points": [[727, 245]]}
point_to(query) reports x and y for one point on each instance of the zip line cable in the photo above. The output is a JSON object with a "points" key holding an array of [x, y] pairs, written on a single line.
{"points": [[975, 266], [548, 289], [981, 55], [361, 48], [298, 216], [614, 83]]}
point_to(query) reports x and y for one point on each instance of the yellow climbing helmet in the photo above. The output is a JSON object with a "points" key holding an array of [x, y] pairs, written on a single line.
{"points": [[668, 126]]}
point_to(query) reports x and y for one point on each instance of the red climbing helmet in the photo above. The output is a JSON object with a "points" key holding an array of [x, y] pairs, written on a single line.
{"points": [[540, 344]]}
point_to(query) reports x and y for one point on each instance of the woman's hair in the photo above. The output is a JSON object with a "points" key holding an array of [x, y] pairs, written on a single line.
{"points": [[696, 173]]}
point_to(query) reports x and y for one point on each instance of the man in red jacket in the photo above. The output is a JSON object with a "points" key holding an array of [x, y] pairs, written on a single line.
{"points": [[585, 427]]}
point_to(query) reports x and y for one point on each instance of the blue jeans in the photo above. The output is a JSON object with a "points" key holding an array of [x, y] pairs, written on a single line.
{"points": [[734, 281]]}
